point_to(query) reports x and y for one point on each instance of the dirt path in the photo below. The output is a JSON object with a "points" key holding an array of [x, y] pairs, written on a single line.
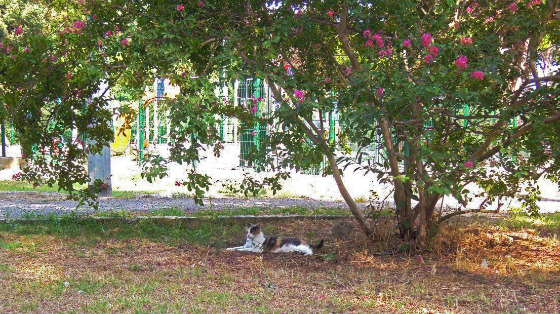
{"points": [[18, 204]]}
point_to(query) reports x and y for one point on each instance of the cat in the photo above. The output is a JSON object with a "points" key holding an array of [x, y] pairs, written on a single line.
{"points": [[257, 242]]}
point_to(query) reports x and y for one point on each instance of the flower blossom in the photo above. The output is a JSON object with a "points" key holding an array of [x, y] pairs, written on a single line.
{"points": [[367, 33], [379, 92], [378, 40], [429, 58], [348, 71], [461, 62], [478, 75], [386, 52], [327, 80], [369, 43], [466, 41], [19, 30], [470, 10], [512, 7], [299, 94], [254, 110], [406, 43], [330, 13], [180, 7], [427, 39], [433, 50], [108, 33], [468, 164], [125, 42]]}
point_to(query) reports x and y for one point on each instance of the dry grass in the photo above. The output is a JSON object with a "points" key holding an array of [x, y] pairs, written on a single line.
{"points": [[116, 268]]}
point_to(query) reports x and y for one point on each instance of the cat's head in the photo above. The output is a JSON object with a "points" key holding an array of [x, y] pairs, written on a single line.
{"points": [[253, 230]]}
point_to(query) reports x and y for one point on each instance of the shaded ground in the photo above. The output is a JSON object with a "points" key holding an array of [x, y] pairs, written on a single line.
{"points": [[89, 266]]}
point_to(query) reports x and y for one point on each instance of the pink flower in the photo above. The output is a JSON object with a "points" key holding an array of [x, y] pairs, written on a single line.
{"points": [[461, 62], [478, 75], [254, 110], [201, 3], [26, 49], [429, 58], [369, 43], [177, 183], [53, 58], [379, 92], [180, 7], [19, 31], [489, 19], [433, 50], [466, 41], [69, 75], [327, 80], [254, 133], [125, 42], [108, 33], [330, 13], [367, 33], [348, 71], [386, 52], [99, 43], [103, 186], [1, 45], [470, 10], [299, 94], [468, 164], [7, 49], [426, 39], [378, 40], [406, 43], [512, 7]]}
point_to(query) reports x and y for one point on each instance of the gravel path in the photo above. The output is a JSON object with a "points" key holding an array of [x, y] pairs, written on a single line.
{"points": [[17, 204]]}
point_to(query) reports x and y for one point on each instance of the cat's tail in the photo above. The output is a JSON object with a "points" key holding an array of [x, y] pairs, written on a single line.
{"points": [[318, 246]]}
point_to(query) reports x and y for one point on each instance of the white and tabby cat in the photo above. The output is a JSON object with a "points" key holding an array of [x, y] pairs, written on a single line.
{"points": [[257, 242]]}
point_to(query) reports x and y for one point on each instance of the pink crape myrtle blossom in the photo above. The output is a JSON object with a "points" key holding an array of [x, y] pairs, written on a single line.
{"points": [[468, 164], [367, 33], [348, 71], [429, 58], [254, 110], [369, 43], [19, 30], [478, 75], [180, 7], [299, 94], [512, 7], [26, 49], [406, 43], [327, 80], [427, 39], [201, 3], [108, 33], [470, 10], [125, 42], [461, 62], [433, 50], [330, 13], [378, 40], [489, 19], [379, 92], [466, 41]]}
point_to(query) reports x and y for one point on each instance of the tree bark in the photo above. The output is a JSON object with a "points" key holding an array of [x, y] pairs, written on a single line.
{"points": [[347, 197]]}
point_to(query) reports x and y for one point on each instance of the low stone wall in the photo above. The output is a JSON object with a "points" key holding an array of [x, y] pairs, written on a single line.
{"points": [[9, 162]]}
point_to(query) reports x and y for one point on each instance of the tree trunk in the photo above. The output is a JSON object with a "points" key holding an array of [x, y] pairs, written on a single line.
{"points": [[347, 197]]}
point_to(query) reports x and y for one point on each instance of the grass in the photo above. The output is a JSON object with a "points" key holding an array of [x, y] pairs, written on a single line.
{"points": [[114, 266], [21, 186]]}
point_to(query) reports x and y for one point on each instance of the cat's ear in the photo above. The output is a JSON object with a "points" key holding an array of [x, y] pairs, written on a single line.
{"points": [[259, 225]]}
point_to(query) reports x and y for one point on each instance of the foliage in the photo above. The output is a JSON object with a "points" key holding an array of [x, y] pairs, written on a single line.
{"points": [[436, 84]]}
